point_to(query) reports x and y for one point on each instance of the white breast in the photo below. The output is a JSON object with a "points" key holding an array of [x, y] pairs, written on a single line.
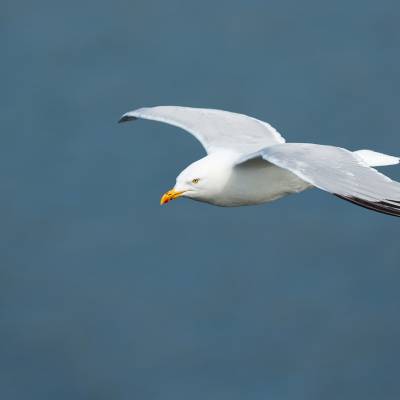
{"points": [[258, 182]]}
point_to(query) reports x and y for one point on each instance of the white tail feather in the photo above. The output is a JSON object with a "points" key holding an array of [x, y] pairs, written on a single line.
{"points": [[375, 159]]}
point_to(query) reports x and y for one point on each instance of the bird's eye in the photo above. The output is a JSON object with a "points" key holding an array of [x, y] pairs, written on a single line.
{"points": [[195, 180]]}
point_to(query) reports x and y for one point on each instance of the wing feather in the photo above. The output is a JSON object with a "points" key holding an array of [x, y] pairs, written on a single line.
{"points": [[338, 171], [215, 129]]}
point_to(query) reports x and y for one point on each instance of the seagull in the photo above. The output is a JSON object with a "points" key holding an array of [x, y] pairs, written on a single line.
{"points": [[248, 162]]}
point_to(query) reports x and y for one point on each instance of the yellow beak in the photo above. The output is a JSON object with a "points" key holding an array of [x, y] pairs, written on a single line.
{"points": [[170, 195]]}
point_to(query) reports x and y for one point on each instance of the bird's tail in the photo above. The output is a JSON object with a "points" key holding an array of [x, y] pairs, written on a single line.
{"points": [[375, 159]]}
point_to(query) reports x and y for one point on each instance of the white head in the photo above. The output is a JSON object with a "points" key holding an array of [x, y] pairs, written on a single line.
{"points": [[203, 180]]}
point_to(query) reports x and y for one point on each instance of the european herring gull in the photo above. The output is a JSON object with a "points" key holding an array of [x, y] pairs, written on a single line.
{"points": [[248, 162]]}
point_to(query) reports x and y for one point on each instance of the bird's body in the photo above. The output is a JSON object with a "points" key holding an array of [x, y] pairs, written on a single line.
{"points": [[249, 183], [248, 162]]}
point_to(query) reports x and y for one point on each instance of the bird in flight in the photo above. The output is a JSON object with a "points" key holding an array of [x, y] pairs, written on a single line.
{"points": [[248, 162]]}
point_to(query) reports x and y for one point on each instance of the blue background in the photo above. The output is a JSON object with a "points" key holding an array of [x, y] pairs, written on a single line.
{"points": [[106, 295]]}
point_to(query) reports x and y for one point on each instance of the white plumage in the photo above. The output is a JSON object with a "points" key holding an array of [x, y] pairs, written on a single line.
{"points": [[248, 162]]}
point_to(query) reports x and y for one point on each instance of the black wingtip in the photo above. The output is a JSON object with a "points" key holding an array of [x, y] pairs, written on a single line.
{"points": [[384, 207], [126, 118]]}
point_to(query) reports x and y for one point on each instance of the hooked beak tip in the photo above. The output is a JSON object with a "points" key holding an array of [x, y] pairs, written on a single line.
{"points": [[170, 195], [164, 200]]}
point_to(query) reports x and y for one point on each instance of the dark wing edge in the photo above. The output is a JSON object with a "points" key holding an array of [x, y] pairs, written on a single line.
{"points": [[127, 118], [378, 206]]}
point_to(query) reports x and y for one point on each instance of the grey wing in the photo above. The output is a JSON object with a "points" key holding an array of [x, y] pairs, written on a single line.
{"points": [[338, 171], [215, 129]]}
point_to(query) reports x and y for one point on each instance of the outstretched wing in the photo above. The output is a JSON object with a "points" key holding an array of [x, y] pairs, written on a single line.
{"points": [[337, 171], [215, 129]]}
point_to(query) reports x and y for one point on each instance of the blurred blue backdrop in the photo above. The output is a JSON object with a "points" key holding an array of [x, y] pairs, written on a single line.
{"points": [[106, 295]]}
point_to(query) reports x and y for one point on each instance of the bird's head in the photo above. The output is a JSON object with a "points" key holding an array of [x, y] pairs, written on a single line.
{"points": [[203, 180]]}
